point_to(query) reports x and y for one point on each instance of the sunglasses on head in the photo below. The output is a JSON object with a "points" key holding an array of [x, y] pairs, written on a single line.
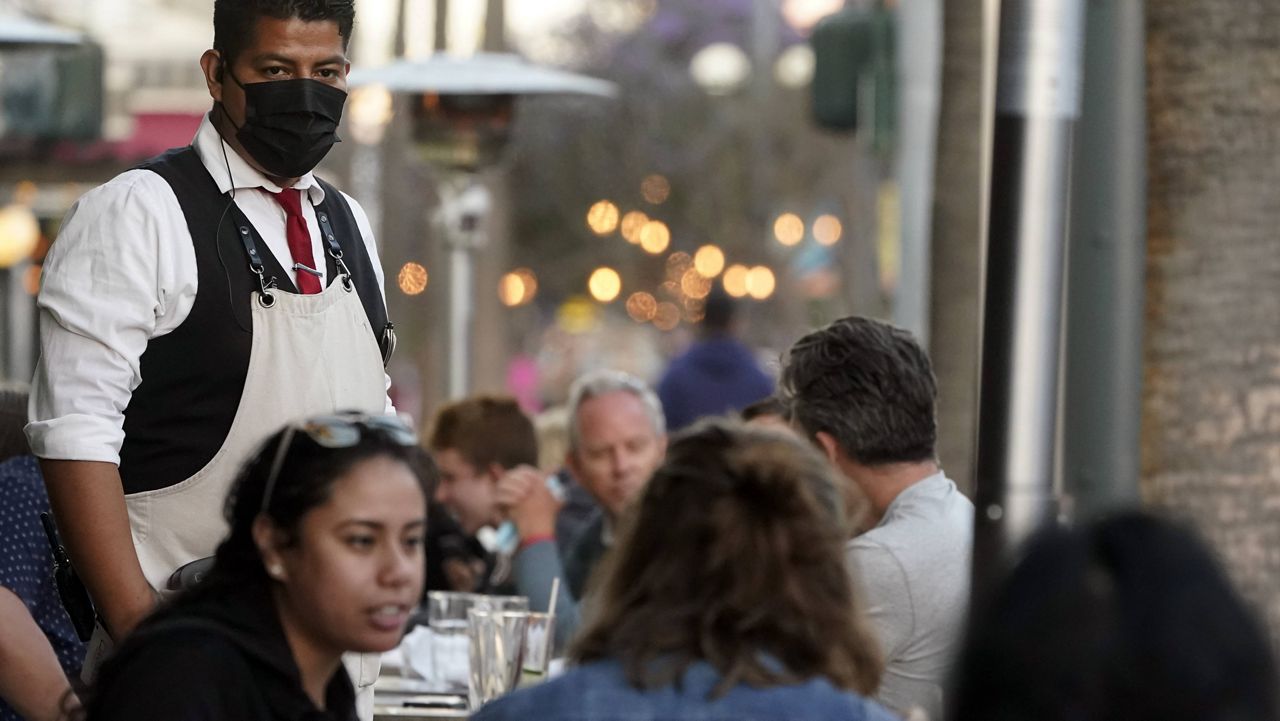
{"points": [[340, 430]]}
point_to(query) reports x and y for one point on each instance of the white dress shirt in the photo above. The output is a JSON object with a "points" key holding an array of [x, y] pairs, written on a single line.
{"points": [[123, 271]]}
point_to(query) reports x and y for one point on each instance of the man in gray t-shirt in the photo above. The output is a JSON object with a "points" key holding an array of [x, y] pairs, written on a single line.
{"points": [[864, 392]]}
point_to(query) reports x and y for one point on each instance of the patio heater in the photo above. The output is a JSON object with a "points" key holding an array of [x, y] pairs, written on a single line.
{"points": [[462, 112]]}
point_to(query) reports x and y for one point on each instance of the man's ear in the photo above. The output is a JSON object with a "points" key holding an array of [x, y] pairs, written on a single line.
{"points": [[495, 471], [829, 446], [269, 541], [212, 67]]}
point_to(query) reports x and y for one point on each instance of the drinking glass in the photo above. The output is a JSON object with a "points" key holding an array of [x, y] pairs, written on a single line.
{"points": [[447, 619], [497, 645], [539, 637]]}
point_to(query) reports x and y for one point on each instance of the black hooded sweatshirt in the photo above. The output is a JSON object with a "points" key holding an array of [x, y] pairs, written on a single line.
{"points": [[222, 657]]}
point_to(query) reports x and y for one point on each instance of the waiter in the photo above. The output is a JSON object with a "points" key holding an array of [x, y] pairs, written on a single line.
{"points": [[193, 305]]}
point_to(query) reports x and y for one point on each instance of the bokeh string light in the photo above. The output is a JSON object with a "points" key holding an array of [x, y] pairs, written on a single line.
{"points": [[605, 284], [602, 218], [412, 278]]}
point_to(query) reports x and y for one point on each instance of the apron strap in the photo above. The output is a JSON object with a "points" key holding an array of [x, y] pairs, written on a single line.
{"points": [[266, 298], [334, 250]]}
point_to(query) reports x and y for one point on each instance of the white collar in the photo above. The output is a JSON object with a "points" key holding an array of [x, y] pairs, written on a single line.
{"points": [[219, 157]]}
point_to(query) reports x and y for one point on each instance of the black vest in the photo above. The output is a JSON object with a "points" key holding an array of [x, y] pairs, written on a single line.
{"points": [[192, 378]]}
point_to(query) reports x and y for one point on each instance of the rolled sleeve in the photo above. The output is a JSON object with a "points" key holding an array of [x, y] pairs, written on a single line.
{"points": [[113, 280]]}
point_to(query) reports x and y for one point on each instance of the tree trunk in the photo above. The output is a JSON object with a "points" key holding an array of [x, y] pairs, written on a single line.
{"points": [[1211, 403], [956, 281]]}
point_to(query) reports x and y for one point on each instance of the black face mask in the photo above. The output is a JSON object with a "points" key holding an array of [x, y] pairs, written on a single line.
{"points": [[289, 125]]}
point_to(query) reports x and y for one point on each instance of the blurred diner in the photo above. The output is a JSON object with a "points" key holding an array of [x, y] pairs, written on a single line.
{"points": [[1128, 618], [40, 649], [864, 393], [617, 437]]}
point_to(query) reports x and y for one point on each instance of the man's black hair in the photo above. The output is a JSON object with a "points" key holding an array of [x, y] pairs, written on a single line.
{"points": [[869, 385], [235, 21]]}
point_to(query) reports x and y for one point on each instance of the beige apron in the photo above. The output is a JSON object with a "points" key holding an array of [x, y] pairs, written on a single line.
{"points": [[311, 354]]}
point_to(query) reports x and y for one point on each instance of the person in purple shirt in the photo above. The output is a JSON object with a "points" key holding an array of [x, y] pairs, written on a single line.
{"points": [[717, 374]]}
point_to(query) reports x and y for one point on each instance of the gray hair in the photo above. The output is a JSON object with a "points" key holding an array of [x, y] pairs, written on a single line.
{"points": [[601, 382]]}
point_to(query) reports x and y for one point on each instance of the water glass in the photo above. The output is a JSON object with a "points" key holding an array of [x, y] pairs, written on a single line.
{"points": [[450, 647], [497, 647], [447, 621], [539, 637]]}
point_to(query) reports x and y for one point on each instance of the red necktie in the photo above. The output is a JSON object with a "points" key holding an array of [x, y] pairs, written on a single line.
{"points": [[299, 238]]}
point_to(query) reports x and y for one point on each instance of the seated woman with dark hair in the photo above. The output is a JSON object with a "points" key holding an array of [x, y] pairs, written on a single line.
{"points": [[1126, 619], [324, 557], [725, 596]]}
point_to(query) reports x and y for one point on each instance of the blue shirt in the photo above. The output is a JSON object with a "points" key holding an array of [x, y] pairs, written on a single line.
{"points": [[26, 564], [599, 691], [716, 375]]}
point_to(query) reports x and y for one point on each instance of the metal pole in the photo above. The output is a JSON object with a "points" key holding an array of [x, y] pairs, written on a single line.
{"points": [[919, 63], [1103, 400], [1037, 101], [495, 26], [461, 270], [440, 41], [465, 206], [765, 20]]}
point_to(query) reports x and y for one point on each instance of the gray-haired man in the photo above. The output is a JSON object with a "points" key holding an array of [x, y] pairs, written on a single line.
{"points": [[617, 438]]}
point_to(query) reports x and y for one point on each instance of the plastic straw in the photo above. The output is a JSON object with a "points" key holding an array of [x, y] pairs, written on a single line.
{"points": [[555, 591]]}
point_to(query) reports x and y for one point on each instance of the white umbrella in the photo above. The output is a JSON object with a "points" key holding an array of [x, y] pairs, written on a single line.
{"points": [[479, 74], [16, 30]]}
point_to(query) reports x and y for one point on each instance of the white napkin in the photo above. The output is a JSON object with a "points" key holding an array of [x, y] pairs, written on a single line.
{"points": [[443, 660]]}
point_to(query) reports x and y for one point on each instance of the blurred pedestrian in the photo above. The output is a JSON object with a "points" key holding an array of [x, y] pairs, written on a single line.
{"points": [[324, 557], [864, 392], [717, 374], [193, 305], [1129, 618], [727, 597]]}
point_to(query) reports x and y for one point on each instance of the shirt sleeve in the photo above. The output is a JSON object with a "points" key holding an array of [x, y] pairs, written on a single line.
{"points": [[121, 272], [371, 245], [882, 583], [535, 568]]}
